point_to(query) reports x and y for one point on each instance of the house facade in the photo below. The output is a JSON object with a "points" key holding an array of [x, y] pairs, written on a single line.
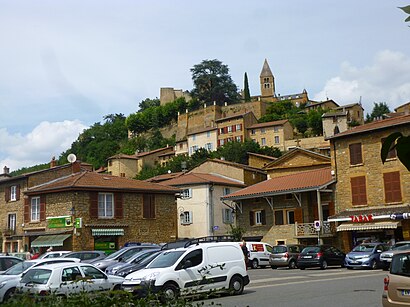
{"points": [[272, 134], [234, 128], [202, 138], [372, 198]]}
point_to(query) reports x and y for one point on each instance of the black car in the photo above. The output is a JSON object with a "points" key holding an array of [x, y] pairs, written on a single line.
{"points": [[320, 256], [132, 267]]}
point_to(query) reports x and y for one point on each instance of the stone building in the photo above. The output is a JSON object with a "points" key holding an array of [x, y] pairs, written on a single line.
{"points": [[234, 128], [87, 211], [342, 118], [202, 138], [371, 197], [169, 94], [272, 134]]}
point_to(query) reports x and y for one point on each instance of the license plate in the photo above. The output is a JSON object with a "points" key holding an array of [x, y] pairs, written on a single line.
{"points": [[307, 257], [405, 292]]}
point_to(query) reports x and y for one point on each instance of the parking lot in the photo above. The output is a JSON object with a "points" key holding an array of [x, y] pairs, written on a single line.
{"points": [[312, 287]]}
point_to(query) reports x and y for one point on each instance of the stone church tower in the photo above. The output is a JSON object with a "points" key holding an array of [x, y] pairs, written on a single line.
{"points": [[267, 81]]}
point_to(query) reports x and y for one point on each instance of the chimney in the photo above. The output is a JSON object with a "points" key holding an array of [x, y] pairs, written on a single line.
{"points": [[53, 162], [6, 170], [76, 167]]}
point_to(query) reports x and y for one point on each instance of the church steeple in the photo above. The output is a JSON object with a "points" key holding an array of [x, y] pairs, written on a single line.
{"points": [[267, 81]]}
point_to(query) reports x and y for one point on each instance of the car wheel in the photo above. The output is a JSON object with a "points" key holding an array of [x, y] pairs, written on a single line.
{"points": [[254, 264], [117, 287], [236, 285], [349, 268], [169, 293], [323, 265], [274, 267], [292, 264], [8, 294], [373, 265]]}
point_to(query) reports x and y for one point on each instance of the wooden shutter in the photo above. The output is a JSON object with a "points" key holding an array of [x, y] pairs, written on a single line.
{"points": [[299, 215], [355, 151], [233, 128], [219, 143], [331, 207], [148, 210], [7, 194], [118, 206], [42, 208], [94, 205], [315, 212], [392, 189], [152, 207], [251, 218], [358, 188], [26, 210], [18, 192], [263, 217]]}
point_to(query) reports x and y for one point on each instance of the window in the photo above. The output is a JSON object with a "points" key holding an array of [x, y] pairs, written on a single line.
{"points": [[358, 187], [229, 128], [279, 217], [148, 211], [222, 142], [253, 131], [186, 217], [195, 257], [208, 146], [290, 214], [227, 191], [13, 192], [257, 217], [227, 216], [193, 137], [221, 130], [276, 129], [208, 134], [238, 127], [392, 153], [105, 205], [11, 221], [239, 138], [392, 190], [187, 193], [355, 151], [35, 209], [71, 274], [92, 273], [263, 141], [110, 163], [263, 130], [276, 139]]}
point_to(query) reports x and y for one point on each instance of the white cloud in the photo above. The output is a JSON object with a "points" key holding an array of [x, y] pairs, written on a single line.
{"points": [[40, 145], [387, 79]]}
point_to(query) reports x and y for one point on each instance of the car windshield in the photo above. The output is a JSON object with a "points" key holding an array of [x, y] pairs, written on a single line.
{"points": [[166, 259], [400, 265], [115, 255], [18, 268], [279, 249], [311, 250], [363, 248], [402, 246], [36, 276], [148, 259], [138, 258]]}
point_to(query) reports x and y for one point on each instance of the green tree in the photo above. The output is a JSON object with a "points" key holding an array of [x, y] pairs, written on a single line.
{"points": [[148, 103], [212, 82], [247, 95], [236, 151], [379, 109], [315, 123], [406, 9]]}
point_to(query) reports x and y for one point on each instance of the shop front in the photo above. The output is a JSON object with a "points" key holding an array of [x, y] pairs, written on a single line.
{"points": [[107, 239]]}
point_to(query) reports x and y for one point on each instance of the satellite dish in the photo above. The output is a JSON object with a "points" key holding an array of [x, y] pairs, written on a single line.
{"points": [[71, 158]]}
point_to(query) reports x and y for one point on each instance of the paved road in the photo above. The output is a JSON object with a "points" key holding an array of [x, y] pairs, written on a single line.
{"points": [[311, 287]]}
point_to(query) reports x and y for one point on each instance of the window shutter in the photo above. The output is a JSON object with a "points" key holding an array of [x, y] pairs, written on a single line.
{"points": [[152, 207], [94, 205], [118, 210], [263, 217], [233, 128], [331, 207], [392, 188], [18, 192], [7, 194], [355, 151], [219, 143], [42, 208], [252, 218], [358, 190], [299, 215], [26, 210]]}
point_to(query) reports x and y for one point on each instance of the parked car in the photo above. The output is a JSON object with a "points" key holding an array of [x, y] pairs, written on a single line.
{"points": [[136, 266], [386, 256], [87, 256], [7, 262], [64, 279], [122, 254], [396, 291], [365, 255], [131, 261], [54, 254], [197, 268], [320, 256], [10, 278], [285, 256], [259, 253]]}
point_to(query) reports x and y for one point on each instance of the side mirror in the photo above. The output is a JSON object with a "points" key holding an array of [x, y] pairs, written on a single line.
{"points": [[187, 264], [378, 251]]}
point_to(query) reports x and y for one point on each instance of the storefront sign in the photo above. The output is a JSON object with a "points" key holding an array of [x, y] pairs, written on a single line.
{"points": [[78, 222], [59, 222], [361, 218], [400, 216]]}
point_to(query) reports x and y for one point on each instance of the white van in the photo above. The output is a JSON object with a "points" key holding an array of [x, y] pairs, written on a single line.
{"points": [[259, 253], [196, 268]]}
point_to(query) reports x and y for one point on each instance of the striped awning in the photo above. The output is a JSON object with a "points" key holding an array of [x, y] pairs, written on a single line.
{"points": [[51, 240], [107, 232], [367, 226]]}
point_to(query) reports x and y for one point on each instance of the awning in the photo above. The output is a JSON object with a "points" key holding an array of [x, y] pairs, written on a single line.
{"points": [[107, 232], [367, 226], [51, 240]]}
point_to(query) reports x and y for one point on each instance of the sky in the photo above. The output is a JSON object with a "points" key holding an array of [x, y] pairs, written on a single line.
{"points": [[66, 64]]}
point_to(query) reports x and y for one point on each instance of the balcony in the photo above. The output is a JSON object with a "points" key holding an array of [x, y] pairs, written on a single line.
{"points": [[306, 230]]}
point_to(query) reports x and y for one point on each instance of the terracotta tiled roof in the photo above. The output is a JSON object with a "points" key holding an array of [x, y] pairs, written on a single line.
{"points": [[303, 181], [262, 156], [201, 178], [269, 124], [164, 177], [142, 154], [347, 106], [95, 181], [376, 125], [237, 165], [123, 156]]}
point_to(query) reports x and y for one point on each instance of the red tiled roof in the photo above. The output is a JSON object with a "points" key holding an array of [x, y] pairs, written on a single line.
{"points": [[234, 164], [123, 156], [164, 177], [95, 181], [201, 178], [262, 156], [269, 124], [142, 154], [303, 181], [375, 125]]}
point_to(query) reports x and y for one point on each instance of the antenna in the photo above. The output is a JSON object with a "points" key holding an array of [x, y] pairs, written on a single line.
{"points": [[71, 158]]}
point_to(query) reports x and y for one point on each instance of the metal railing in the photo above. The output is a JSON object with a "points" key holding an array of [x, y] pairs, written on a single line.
{"points": [[309, 230]]}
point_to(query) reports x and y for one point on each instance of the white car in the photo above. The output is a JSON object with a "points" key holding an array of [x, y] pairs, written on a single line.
{"points": [[259, 254], [200, 267], [10, 278], [67, 278], [55, 254]]}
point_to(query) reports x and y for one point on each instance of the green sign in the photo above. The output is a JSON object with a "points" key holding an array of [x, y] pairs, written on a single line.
{"points": [[104, 245], [78, 222], [59, 222]]}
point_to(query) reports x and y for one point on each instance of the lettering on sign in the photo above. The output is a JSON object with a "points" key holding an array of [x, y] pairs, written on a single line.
{"points": [[361, 218]]}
